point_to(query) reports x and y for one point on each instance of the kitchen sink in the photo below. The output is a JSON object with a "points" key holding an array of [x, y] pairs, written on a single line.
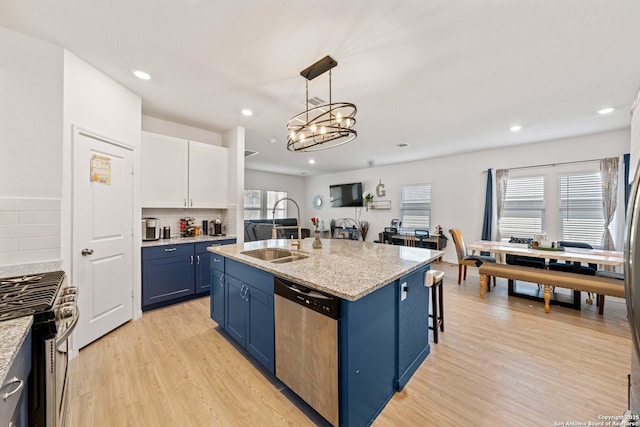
{"points": [[291, 258], [275, 255]]}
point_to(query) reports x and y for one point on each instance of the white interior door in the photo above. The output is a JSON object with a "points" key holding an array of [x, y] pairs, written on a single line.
{"points": [[103, 220]]}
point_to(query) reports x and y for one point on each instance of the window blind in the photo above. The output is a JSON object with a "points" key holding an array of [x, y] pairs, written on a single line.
{"points": [[415, 207], [581, 216], [524, 208]]}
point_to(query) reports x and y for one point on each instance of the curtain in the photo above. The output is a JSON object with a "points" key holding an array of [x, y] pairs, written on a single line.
{"points": [[627, 186], [609, 172], [488, 210], [501, 194]]}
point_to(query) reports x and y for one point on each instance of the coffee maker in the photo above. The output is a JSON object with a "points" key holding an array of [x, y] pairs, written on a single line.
{"points": [[150, 229], [215, 227]]}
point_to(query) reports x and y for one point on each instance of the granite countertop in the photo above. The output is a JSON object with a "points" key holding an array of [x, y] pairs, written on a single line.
{"points": [[32, 268], [179, 240], [345, 268], [12, 335]]}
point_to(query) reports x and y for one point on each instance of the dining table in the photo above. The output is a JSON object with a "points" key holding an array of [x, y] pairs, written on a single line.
{"points": [[603, 258], [588, 256]]}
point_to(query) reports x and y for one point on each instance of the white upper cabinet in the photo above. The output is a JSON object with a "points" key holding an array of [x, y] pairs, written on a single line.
{"points": [[208, 175], [165, 171], [177, 173]]}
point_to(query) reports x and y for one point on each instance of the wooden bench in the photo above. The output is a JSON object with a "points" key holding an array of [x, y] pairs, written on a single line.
{"points": [[580, 282]]}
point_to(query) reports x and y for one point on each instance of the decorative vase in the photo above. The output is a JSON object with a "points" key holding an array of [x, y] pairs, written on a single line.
{"points": [[317, 243]]}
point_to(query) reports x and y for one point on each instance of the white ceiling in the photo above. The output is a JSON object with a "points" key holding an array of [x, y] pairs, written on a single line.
{"points": [[444, 76]]}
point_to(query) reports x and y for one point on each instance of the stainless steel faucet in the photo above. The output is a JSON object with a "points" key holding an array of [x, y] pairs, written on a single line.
{"points": [[274, 233]]}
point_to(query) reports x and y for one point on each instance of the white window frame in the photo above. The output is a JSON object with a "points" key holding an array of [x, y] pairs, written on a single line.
{"points": [[582, 206], [415, 199], [525, 207], [552, 174], [266, 205]]}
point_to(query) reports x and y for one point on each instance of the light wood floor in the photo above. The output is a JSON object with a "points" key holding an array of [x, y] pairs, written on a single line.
{"points": [[500, 361]]}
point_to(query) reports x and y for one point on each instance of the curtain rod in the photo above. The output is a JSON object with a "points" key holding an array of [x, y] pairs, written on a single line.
{"points": [[554, 164]]}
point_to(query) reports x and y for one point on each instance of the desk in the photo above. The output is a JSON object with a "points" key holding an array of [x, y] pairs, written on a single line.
{"points": [[576, 255], [432, 242]]}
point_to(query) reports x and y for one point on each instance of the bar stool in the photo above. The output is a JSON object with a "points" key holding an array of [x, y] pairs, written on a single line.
{"points": [[433, 280]]}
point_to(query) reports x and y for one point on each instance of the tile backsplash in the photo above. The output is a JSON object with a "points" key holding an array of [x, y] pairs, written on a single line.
{"points": [[171, 217], [30, 230]]}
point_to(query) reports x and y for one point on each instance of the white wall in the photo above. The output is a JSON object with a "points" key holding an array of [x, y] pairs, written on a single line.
{"points": [[293, 185], [95, 102], [31, 73], [457, 182], [233, 139], [177, 130]]}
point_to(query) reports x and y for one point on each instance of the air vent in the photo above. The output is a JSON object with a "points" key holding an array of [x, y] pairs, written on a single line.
{"points": [[403, 144], [249, 153], [316, 101]]}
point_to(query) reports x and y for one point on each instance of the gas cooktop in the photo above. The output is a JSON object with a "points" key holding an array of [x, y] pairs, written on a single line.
{"points": [[29, 294]]}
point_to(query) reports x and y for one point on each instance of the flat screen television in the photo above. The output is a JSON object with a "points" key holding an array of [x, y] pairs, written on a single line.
{"points": [[343, 195]]}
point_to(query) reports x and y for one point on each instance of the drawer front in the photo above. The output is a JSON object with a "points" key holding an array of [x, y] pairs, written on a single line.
{"points": [[9, 410], [166, 251], [255, 277], [217, 262]]}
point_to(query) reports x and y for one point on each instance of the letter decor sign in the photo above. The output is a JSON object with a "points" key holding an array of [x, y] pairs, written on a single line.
{"points": [[100, 169]]}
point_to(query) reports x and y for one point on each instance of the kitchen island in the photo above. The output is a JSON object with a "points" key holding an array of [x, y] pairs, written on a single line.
{"points": [[382, 335]]}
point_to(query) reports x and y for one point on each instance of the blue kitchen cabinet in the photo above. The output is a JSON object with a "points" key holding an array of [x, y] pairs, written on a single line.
{"points": [[14, 406], [236, 310], [202, 268], [175, 273], [167, 274], [249, 310], [413, 324], [218, 288], [261, 329]]}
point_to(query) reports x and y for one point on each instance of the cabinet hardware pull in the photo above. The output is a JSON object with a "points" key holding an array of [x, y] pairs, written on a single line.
{"points": [[216, 260], [13, 380], [185, 202], [222, 280], [198, 259], [191, 259], [191, 202], [170, 249]]}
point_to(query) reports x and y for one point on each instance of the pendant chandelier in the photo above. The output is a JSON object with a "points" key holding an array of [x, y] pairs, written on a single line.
{"points": [[324, 126]]}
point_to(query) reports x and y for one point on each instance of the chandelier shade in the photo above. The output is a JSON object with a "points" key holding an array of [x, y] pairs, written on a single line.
{"points": [[324, 126]]}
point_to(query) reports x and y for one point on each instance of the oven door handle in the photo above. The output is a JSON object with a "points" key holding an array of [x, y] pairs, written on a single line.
{"points": [[13, 380], [74, 322]]}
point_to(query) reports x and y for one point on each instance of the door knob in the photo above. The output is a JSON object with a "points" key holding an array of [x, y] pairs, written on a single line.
{"points": [[86, 252]]}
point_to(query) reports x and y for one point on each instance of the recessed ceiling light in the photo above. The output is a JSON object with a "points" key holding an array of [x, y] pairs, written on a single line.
{"points": [[246, 112], [272, 140], [606, 110], [515, 128], [311, 161], [141, 75]]}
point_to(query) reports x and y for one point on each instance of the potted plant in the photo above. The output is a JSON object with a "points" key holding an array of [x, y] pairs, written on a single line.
{"points": [[368, 198]]}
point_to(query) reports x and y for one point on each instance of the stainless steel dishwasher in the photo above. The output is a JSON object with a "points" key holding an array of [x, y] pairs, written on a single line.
{"points": [[306, 329]]}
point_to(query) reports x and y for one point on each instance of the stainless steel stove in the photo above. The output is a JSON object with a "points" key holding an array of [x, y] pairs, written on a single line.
{"points": [[52, 303]]}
